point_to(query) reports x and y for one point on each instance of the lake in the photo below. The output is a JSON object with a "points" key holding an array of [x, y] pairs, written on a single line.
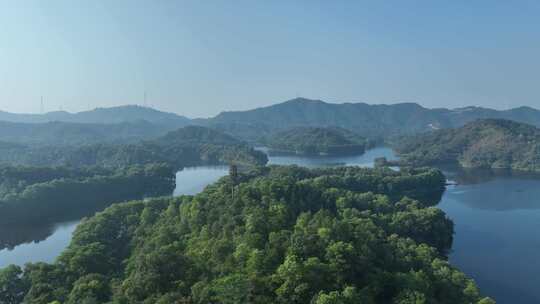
{"points": [[496, 219], [497, 241], [43, 243], [496, 216]]}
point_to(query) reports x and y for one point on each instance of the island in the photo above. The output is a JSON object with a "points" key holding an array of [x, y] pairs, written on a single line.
{"points": [[487, 144], [317, 141], [273, 235], [187, 146]]}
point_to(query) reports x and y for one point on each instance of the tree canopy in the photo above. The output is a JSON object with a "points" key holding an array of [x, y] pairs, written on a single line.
{"points": [[312, 140], [490, 143], [30, 194], [288, 235], [188, 146]]}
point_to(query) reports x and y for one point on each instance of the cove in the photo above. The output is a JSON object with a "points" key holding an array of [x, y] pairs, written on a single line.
{"points": [[43, 243]]}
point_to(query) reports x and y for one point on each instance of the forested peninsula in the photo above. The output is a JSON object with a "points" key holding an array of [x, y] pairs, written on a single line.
{"points": [[318, 141], [188, 146], [52, 194], [275, 235], [44, 185], [488, 144]]}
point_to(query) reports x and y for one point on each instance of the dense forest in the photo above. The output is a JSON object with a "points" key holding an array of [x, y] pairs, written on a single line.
{"points": [[276, 235], [315, 141], [188, 146], [490, 143], [30, 194]]}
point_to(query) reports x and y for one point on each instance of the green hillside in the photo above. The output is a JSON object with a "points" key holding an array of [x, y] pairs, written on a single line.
{"points": [[188, 146], [287, 235], [313, 141], [491, 143]]}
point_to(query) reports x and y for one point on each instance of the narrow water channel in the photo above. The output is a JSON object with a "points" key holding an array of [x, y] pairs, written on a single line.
{"points": [[496, 218]]}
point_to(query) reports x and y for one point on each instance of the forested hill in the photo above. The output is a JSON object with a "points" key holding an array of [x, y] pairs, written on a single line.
{"points": [[112, 115], [281, 235], [491, 143], [68, 133], [197, 134], [313, 140], [367, 120], [188, 146], [55, 194]]}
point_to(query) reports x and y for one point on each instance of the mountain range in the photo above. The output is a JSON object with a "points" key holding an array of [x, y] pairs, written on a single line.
{"points": [[112, 115], [371, 121]]}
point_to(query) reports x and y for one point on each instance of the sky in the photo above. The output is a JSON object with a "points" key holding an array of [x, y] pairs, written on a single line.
{"points": [[198, 58]]}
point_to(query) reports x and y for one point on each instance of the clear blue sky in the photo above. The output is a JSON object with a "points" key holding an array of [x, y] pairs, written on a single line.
{"points": [[198, 58]]}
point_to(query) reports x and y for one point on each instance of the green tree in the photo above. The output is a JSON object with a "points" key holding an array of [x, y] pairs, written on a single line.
{"points": [[13, 286]]}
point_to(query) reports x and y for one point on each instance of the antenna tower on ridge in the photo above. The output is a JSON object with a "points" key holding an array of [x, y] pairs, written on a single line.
{"points": [[145, 99]]}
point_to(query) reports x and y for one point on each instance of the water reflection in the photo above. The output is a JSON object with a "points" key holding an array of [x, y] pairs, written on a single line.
{"points": [[193, 180], [36, 231], [365, 160], [43, 241], [45, 249], [494, 189], [13, 235], [478, 176], [498, 195], [496, 216]]}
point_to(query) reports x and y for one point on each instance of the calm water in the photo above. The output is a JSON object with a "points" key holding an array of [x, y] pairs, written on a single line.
{"points": [[39, 251], [496, 222], [45, 243], [497, 241], [496, 218], [193, 180], [364, 160]]}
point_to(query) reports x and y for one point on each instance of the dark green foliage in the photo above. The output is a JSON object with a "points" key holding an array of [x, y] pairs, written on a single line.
{"points": [[289, 235], [495, 144], [39, 194], [195, 134], [305, 140], [13, 286], [187, 146], [15, 179]]}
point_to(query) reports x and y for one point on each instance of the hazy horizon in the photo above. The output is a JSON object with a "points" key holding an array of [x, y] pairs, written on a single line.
{"points": [[239, 110], [199, 58]]}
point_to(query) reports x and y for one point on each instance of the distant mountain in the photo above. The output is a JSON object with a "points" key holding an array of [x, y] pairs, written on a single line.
{"points": [[373, 121], [370, 121], [317, 140], [113, 115], [490, 143]]}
